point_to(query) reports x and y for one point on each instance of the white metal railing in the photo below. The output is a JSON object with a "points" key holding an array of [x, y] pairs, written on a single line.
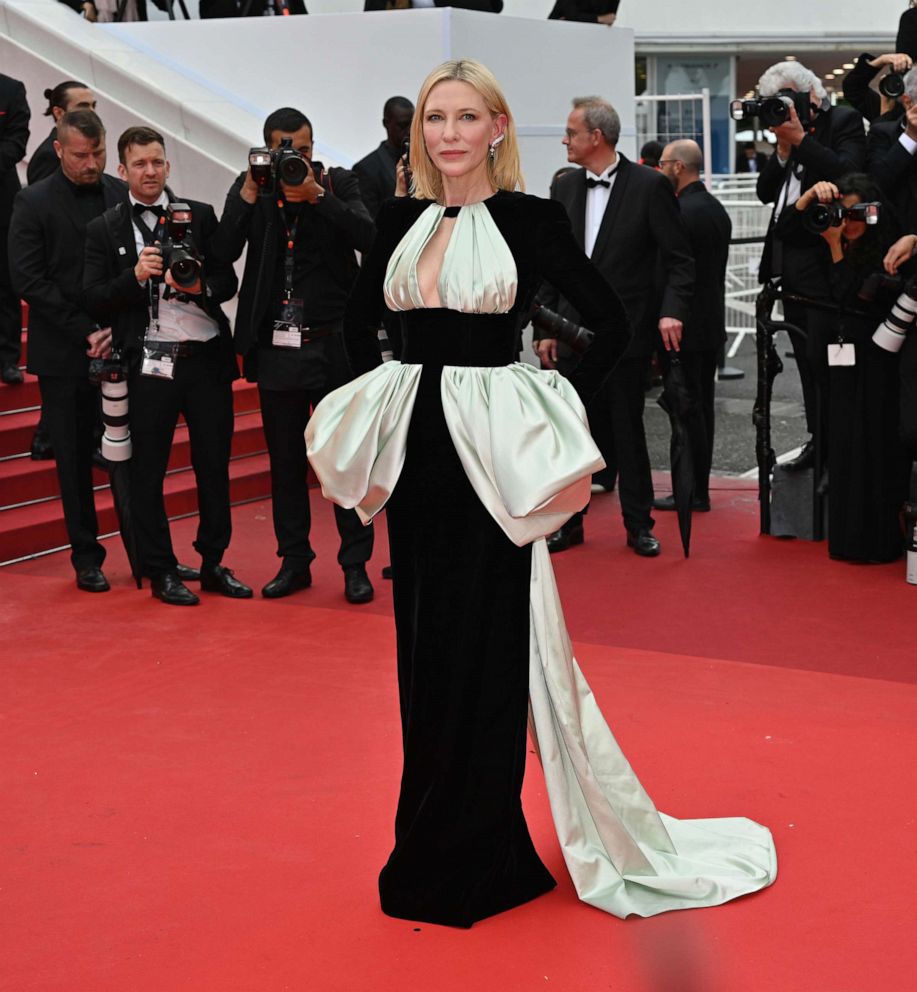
{"points": [[669, 117]]}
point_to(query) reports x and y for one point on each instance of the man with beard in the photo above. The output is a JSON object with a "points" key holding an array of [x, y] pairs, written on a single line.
{"points": [[48, 231]]}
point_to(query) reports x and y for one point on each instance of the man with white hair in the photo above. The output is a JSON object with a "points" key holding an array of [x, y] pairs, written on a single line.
{"points": [[891, 156], [816, 142]]}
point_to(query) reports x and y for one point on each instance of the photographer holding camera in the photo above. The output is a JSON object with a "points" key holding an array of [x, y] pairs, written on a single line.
{"points": [[150, 275], [849, 231], [892, 156], [815, 142], [884, 105], [47, 236], [302, 225]]}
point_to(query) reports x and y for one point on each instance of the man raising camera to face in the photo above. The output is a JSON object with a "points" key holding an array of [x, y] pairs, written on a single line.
{"points": [[302, 225], [149, 274]]}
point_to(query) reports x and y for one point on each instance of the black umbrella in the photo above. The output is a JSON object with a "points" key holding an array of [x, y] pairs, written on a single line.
{"points": [[680, 404], [119, 477]]}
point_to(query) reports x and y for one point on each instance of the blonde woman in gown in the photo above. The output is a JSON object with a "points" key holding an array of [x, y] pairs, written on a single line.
{"points": [[476, 458]]}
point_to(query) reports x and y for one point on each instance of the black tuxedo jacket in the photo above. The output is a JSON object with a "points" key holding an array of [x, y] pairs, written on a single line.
{"points": [[641, 249], [44, 161], [115, 298], [493, 6], [895, 170], [836, 146], [709, 230], [376, 173], [344, 227], [14, 135], [582, 10], [46, 266]]}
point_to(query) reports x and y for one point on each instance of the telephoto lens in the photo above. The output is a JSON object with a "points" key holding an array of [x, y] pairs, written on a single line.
{"points": [[111, 377], [549, 324], [890, 334]]}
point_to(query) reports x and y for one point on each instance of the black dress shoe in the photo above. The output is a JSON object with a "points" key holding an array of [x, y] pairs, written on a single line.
{"points": [[668, 503], [565, 538], [170, 589], [387, 572], [216, 578], [91, 580], [186, 573], [40, 449], [11, 374], [357, 587], [805, 459], [287, 580], [643, 543]]}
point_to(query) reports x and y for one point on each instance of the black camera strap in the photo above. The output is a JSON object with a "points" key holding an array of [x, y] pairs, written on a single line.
{"points": [[150, 238], [289, 249]]}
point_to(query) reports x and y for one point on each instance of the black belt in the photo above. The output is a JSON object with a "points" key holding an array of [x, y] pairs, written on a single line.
{"points": [[185, 349]]}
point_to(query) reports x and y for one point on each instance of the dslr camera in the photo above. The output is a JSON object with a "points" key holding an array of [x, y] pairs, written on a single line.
{"points": [[179, 255], [270, 166], [818, 217], [773, 111]]}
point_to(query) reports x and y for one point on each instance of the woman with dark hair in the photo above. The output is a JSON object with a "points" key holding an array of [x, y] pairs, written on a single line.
{"points": [[867, 470], [66, 96]]}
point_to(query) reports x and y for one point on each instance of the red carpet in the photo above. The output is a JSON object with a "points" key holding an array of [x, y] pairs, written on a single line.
{"points": [[199, 800]]}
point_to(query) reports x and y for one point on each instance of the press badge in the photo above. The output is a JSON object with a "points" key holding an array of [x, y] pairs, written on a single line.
{"points": [[288, 327], [842, 354], [158, 362]]}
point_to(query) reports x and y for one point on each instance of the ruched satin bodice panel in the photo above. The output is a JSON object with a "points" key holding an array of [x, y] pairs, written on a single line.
{"points": [[446, 337], [478, 273]]}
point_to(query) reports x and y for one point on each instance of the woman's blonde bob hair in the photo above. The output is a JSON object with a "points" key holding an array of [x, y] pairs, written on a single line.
{"points": [[503, 168]]}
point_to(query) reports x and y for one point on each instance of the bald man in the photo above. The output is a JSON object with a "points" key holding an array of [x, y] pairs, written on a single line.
{"points": [[709, 230]]}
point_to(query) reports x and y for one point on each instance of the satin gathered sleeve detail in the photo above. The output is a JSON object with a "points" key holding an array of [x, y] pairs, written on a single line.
{"points": [[566, 266]]}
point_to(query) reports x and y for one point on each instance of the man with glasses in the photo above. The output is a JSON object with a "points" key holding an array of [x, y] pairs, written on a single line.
{"points": [[626, 218]]}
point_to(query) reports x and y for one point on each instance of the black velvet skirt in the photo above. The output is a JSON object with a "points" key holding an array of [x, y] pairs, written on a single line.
{"points": [[461, 590]]}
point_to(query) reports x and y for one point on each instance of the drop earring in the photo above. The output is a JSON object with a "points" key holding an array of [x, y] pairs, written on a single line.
{"points": [[493, 146]]}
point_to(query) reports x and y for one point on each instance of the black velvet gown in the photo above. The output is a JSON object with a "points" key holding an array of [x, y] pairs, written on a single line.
{"points": [[461, 587]]}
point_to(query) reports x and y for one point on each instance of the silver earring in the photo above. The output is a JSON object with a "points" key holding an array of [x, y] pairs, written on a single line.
{"points": [[493, 146]]}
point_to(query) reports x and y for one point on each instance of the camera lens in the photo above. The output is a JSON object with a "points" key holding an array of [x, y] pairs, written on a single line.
{"points": [[184, 267], [892, 85], [293, 170]]}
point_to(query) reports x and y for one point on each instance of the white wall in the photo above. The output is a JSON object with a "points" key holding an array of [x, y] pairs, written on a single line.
{"points": [[210, 84]]}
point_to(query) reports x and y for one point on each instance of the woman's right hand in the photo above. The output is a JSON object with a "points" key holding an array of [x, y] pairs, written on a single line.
{"points": [[824, 192], [899, 253]]}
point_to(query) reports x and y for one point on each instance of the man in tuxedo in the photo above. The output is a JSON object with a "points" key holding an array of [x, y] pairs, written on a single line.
{"points": [[14, 135], [177, 344], [299, 269], [830, 143], [626, 218], [376, 172], [66, 96], [709, 230], [48, 232]]}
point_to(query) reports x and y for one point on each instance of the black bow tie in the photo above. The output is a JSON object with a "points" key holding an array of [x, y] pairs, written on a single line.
{"points": [[592, 183], [142, 208]]}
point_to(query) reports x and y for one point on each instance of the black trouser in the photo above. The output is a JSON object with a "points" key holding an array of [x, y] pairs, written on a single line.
{"points": [[70, 405], [908, 397], [700, 375], [10, 310], [202, 392], [810, 349], [285, 413]]}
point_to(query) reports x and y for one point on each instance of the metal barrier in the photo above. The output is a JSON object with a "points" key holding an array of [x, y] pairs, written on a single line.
{"points": [[669, 117]]}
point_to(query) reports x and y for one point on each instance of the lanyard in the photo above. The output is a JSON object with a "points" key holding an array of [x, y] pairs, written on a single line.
{"points": [[290, 230], [149, 239]]}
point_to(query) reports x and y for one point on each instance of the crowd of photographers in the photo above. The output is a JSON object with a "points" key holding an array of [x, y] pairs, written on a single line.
{"points": [[125, 274], [843, 182]]}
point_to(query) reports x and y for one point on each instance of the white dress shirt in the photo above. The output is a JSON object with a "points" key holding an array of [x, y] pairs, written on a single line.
{"points": [[178, 321], [596, 203]]}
